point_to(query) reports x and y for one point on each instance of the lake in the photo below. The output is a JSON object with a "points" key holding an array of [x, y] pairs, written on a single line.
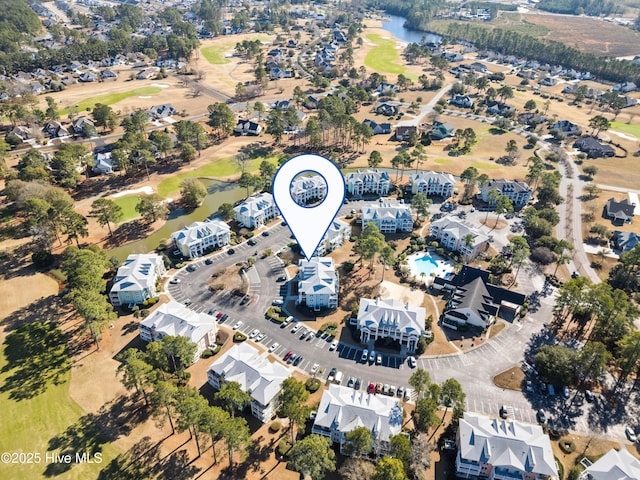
{"points": [[395, 26], [218, 193]]}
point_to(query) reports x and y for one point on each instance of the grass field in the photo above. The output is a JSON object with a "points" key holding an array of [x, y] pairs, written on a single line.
{"points": [[215, 53], [38, 412], [128, 204], [383, 57], [224, 167], [111, 98], [628, 128], [510, 21]]}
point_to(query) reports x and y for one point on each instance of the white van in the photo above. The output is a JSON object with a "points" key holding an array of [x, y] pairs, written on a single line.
{"points": [[338, 379]]}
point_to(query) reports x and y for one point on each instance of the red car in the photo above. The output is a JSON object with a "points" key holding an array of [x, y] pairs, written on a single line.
{"points": [[371, 388], [286, 356]]}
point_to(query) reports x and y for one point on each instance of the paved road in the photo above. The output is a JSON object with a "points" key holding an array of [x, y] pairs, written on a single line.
{"points": [[475, 369]]}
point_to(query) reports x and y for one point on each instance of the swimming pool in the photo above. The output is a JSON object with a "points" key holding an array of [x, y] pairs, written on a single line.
{"points": [[423, 265]]}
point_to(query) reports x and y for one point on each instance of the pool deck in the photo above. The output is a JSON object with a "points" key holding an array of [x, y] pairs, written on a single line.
{"points": [[444, 266]]}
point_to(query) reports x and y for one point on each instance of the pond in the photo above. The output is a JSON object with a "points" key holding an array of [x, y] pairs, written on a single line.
{"points": [[395, 26], [218, 193]]}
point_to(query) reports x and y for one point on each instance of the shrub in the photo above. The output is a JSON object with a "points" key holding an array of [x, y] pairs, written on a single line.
{"points": [[575, 472], [284, 446], [239, 337], [275, 427], [313, 384], [208, 353], [42, 259], [560, 467], [567, 446]]}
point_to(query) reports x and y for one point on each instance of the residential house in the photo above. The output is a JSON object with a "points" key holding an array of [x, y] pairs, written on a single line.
{"points": [[318, 284], [458, 236], [176, 320], [88, 77], [452, 57], [54, 129], [440, 131], [36, 87], [501, 109], [432, 183], [337, 233], [593, 148], [23, 133], [256, 210], [147, 73], [479, 67], [136, 280], [498, 449], [108, 74], [199, 237], [624, 241], [78, 125], [311, 189], [387, 110], [4, 96], [625, 87], [518, 192], [473, 301], [74, 66], [613, 465], [619, 212], [103, 164], [403, 133], [378, 128], [343, 409], [531, 118], [257, 376], [387, 89], [158, 112], [247, 127], [388, 217], [567, 127], [364, 182], [277, 73], [548, 81], [282, 105], [339, 36], [462, 101], [310, 103], [390, 318]]}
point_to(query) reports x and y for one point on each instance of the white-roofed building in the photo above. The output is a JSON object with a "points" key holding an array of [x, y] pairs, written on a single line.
{"points": [[136, 279], [432, 183], [195, 239], [503, 450], [343, 409], [390, 319], [318, 283], [368, 181], [305, 190], [613, 465], [458, 236], [176, 320], [518, 192], [257, 376], [256, 210], [388, 217], [338, 233]]}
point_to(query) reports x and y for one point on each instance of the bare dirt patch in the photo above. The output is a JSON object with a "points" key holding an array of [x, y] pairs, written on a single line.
{"points": [[511, 379], [20, 291]]}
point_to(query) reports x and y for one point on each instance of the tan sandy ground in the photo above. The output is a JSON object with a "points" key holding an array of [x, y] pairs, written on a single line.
{"points": [[593, 447], [19, 291]]}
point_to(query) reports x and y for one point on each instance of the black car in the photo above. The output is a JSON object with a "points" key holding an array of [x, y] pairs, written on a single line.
{"points": [[281, 278], [208, 261], [191, 268], [265, 233], [297, 360], [244, 300], [358, 384], [588, 395], [231, 251], [541, 416], [252, 242]]}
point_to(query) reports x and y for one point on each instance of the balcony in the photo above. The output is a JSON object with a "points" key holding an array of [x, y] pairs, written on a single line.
{"points": [[505, 474]]}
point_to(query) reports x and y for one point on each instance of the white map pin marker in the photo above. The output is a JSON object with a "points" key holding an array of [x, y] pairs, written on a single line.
{"points": [[308, 224]]}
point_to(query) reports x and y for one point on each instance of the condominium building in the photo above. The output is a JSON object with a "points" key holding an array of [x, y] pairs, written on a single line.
{"points": [[368, 182], [318, 284], [459, 237], [433, 183], [195, 239], [255, 211], [136, 280], [388, 217], [305, 190], [518, 192], [338, 233]]}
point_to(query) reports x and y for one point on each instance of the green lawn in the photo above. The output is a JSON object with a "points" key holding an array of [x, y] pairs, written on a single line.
{"points": [[220, 168], [383, 57], [442, 161], [111, 98], [37, 409], [486, 166], [628, 128], [128, 204], [215, 53]]}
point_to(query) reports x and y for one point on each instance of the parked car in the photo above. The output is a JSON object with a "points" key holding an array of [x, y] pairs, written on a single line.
{"points": [[412, 362], [551, 390], [333, 345], [292, 358], [378, 387], [286, 356], [541, 417], [408, 393], [350, 382], [260, 337], [252, 242], [371, 388], [244, 300], [392, 390], [304, 334], [254, 333], [287, 321], [266, 233], [314, 369], [365, 355], [400, 391], [529, 386], [191, 268], [339, 376], [503, 411], [296, 327], [208, 261], [385, 389], [588, 395], [631, 434], [237, 325], [281, 278], [174, 281], [372, 356], [231, 251], [297, 361], [358, 383], [379, 359], [277, 302], [332, 374], [274, 347], [565, 392]]}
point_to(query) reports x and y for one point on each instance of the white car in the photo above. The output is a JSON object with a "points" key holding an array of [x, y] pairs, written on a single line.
{"points": [[237, 325], [260, 337], [379, 359], [314, 369], [274, 347], [412, 362], [297, 327], [631, 434], [333, 346], [365, 355], [254, 333], [174, 281]]}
